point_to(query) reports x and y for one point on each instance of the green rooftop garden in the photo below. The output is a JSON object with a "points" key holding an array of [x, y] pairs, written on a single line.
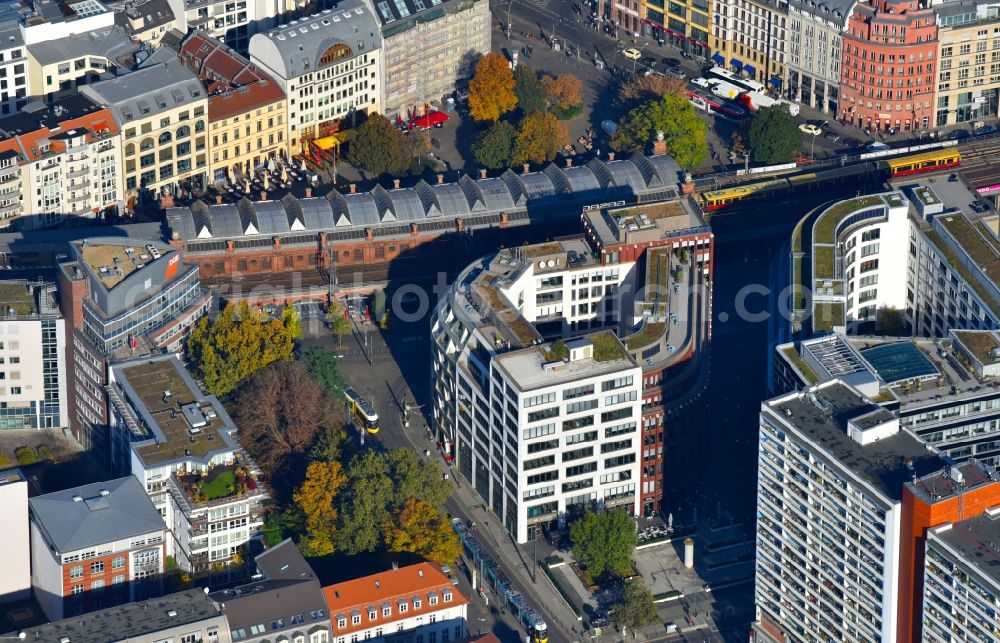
{"points": [[961, 269], [883, 396], [793, 356], [15, 296], [826, 316], [979, 343], [989, 235], [970, 239], [823, 263], [827, 223], [607, 348], [651, 331], [926, 195]]}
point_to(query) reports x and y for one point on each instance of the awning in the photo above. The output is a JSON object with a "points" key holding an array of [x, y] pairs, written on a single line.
{"points": [[719, 59], [750, 70], [738, 64], [775, 81]]}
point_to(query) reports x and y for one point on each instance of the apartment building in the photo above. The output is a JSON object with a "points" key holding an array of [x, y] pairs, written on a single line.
{"points": [[95, 546], [232, 22], [284, 601], [183, 616], [961, 586], [15, 558], [968, 79], [147, 21], [246, 108], [752, 36], [58, 67], [161, 109], [329, 65], [13, 68], [686, 24], [59, 161], [181, 445], [416, 603], [121, 299], [447, 35], [813, 52], [831, 469], [32, 357], [43, 20], [889, 71]]}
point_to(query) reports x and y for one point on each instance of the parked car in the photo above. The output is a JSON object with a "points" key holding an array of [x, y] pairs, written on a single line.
{"points": [[671, 62], [985, 130], [676, 72], [818, 123], [832, 136], [632, 53], [649, 61], [852, 142], [959, 135], [809, 128]]}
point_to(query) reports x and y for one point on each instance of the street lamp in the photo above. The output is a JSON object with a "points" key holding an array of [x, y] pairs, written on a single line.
{"points": [[20, 637], [812, 147], [508, 18]]}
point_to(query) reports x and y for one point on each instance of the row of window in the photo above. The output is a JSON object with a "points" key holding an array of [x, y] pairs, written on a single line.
{"points": [[402, 607]]}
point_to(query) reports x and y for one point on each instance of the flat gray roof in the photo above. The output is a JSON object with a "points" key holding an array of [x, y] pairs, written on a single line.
{"points": [[110, 43], [147, 91], [526, 367], [886, 464], [976, 541], [105, 512]]}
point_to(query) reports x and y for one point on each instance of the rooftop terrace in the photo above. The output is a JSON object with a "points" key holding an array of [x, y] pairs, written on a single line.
{"points": [[113, 262], [952, 481], [643, 223], [542, 366], [979, 343]]}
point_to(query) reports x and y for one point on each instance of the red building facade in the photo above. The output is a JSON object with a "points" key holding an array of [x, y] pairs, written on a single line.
{"points": [[887, 77]]}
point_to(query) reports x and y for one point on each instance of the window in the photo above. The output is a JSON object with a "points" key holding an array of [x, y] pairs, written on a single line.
{"points": [[372, 614], [386, 611], [118, 562], [403, 606], [76, 589], [535, 400], [618, 382], [432, 600], [417, 603], [76, 571], [97, 585], [341, 623], [580, 391], [97, 567]]}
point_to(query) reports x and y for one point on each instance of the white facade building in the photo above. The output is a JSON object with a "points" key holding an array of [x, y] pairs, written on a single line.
{"points": [[813, 51], [542, 430], [15, 556], [13, 69], [829, 489], [329, 65], [230, 21]]}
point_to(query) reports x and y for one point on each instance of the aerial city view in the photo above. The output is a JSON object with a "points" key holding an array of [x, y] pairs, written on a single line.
{"points": [[519, 321]]}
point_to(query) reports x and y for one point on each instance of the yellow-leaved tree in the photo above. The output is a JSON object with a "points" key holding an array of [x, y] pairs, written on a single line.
{"points": [[316, 498], [491, 90], [425, 531]]}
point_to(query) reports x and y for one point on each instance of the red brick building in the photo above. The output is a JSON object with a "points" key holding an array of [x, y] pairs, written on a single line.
{"points": [[888, 66]]}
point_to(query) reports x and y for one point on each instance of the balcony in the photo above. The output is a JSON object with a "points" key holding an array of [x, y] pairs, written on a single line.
{"points": [[76, 174], [218, 486]]}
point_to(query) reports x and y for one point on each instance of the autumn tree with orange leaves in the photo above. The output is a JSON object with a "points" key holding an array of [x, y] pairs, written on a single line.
{"points": [[539, 138], [565, 91], [423, 530], [491, 90], [317, 500]]}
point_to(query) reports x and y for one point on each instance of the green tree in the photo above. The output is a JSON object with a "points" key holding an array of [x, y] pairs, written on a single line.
{"points": [[292, 320], [635, 609], [685, 134], [539, 137], [773, 135], [491, 90], [529, 90], [494, 148], [324, 367], [890, 322], [603, 543], [415, 479], [380, 149], [237, 344], [338, 322]]}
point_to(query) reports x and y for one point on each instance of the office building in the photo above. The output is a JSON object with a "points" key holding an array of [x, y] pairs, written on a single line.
{"points": [[284, 601], [58, 67], [831, 470], [13, 68], [181, 445], [686, 24], [328, 64], [413, 603], [184, 616], [813, 52], [968, 79], [15, 558], [32, 357], [58, 161], [121, 299], [42, 20], [889, 72], [95, 546], [961, 586], [161, 109], [246, 109], [447, 34], [752, 35]]}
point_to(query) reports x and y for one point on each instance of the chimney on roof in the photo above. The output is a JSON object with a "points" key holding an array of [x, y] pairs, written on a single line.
{"points": [[218, 199], [611, 156], [309, 193], [569, 162], [105, 492], [395, 566], [354, 188], [526, 168], [440, 179], [263, 195], [378, 584], [395, 184], [482, 173]]}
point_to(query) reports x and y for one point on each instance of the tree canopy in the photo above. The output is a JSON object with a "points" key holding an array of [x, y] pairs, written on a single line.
{"points": [[235, 345], [491, 90], [282, 412], [292, 320], [564, 92], [685, 134], [636, 608], [638, 89], [316, 499], [336, 319], [425, 531], [380, 149], [603, 542], [773, 135], [539, 137], [494, 148], [529, 90]]}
